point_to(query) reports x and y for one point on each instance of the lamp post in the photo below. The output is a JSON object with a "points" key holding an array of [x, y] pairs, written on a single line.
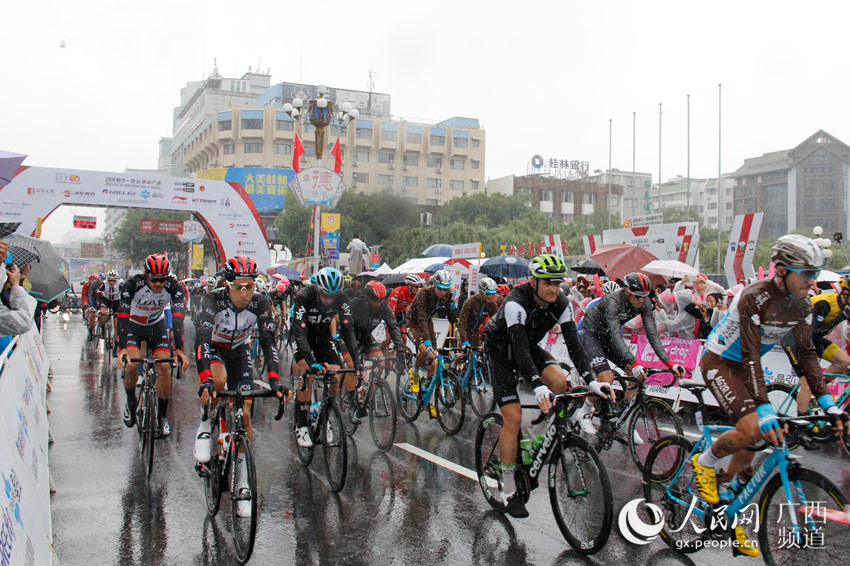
{"points": [[320, 112]]}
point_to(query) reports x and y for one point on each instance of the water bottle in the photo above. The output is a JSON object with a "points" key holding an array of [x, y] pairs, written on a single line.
{"points": [[525, 450], [223, 443], [314, 412], [361, 393]]}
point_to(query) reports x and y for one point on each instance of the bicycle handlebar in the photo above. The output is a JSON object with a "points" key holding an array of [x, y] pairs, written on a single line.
{"points": [[151, 360], [252, 393]]}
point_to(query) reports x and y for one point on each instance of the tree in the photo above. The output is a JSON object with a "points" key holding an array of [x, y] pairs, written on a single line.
{"points": [[136, 246], [294, 224]]}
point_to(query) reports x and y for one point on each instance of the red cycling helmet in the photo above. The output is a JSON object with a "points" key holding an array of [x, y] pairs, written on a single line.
{"points": [[240, 266], [92, 277], [375, 291], [157, 264], [503, 289], [638, 284]]}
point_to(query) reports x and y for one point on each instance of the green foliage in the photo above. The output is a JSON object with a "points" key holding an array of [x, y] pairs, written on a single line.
{"points": [[136, 246]]}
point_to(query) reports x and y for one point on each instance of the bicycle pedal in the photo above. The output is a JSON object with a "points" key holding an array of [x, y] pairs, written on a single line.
{"points": [[202, 470]]}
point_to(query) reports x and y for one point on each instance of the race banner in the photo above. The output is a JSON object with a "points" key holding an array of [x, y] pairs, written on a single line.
{"points": [[552, 245], [679, 241], [590, 244], [197, 256], [681, 351], [743, 238], [330, 235], [470, 250], [472, 286]]}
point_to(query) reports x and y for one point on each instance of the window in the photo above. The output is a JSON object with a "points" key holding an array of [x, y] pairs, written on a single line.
{"points": [[386, 157], [283, 125], [282, 149], [475, 142], [229, 149], [431, 202], [254, 148], [361, 155], [360, 177], [568, 196], [412, 160], [387, 135], [413, 137], [523, 191], [567, 216], [411, 200], [456, 185], [225, 125], [712, 206], [728, 206], [412, 182], [457, 164], [475, 164], [438, 140], [588, 198], [475, 185], [712, 220], [432, 183], [434, 161], [613, 201], [252, 123], [385, 180], [546, 194], [363, 133], [460, 142]]}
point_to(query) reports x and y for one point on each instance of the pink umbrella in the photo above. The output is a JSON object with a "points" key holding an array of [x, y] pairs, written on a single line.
{"points": [[618, 260]]}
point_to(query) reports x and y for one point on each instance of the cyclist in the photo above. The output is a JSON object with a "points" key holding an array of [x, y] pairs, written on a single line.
{"points": [[511, 344], [419, 315], [141, 318], [402, 296], [475, 312], [373, 322], [229, 315], [109, 299], [314, 309], [94, 284], [760, 317]]}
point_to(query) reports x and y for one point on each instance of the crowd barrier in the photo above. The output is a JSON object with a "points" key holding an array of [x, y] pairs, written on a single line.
{"points": [[25, 523]]}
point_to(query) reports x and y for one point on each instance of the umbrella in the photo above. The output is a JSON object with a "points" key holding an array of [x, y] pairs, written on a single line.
{"points": [[669, 268], [438, 250], [618, 260], [399, 278], [46, 277], [287, 270], [507, 266], [9, 163], [7, 228], [588, 267], [190, 281]]}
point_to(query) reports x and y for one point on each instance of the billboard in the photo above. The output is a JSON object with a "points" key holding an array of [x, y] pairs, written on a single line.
{"points": [[679, 241], [330, 235], [85, 222], [743, 238], [265, 187], [368, 103]]}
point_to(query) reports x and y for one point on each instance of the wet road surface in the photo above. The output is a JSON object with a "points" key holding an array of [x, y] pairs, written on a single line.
{"points": [[396, 508]]}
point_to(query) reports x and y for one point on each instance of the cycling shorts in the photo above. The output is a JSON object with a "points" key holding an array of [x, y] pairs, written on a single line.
{"points": [[324, 353], [730, 385], [824, 348], [501, 371], [596, 351], [237, 365], [155, 335]]}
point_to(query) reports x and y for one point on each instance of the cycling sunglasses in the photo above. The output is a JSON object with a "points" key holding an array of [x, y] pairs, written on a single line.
{"points": [[241, 286], [805, 274], [154, 279]]}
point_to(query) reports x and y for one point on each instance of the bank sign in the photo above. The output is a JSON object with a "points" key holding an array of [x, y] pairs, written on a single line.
{"points": [[266, 187]]}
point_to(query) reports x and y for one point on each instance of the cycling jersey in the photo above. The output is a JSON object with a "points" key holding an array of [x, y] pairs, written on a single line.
{"points": [[424, 307], [110, 295], [603, 323], [400, 299], [84, 294], [312, 322], [474, 312], [760, 317], [224, 327], [367, 319], [91, 294], [141, 306]]}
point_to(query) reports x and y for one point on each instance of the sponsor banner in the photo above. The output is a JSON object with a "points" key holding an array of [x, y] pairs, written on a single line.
{"points": [[681, 351], [678, 241], [266, 187], [375, 261], [330, 225], [647, 220], [590, 244], [552, 245], [197, 256], [92, 249], [193, 231], [161, 226], [25, 527], [457, 270], [225, 208], [743, 238], [474, 278], [317, 185], [471, 250]]}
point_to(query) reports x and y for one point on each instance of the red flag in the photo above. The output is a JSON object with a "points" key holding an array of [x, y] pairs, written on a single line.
{"points": [[296, 154], [337, 152]]}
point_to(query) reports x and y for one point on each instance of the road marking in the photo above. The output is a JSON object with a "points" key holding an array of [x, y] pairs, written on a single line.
{"points": [[449, 465]]}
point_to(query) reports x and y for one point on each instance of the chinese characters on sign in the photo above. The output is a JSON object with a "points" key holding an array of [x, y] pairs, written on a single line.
{"points": [[85, 222], [266, 184], [161, 226], [317, 185]]}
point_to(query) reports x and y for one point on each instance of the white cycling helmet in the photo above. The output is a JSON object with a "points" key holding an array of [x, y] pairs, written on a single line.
{"points": [[413, 280], [487, 286], [797, 252], [610, 287], [211, 281], [112, 274], [442, 279], [259, 285]]}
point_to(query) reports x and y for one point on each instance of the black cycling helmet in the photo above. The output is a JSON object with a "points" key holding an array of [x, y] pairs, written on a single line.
{"points": [[157, 264], [638, 284]]}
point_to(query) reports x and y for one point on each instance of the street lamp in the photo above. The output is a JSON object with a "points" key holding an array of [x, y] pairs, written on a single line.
{"points": [[320, 112]]}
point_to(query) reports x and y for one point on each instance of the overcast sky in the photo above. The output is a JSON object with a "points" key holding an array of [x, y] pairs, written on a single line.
{"points": [[542, 77]]}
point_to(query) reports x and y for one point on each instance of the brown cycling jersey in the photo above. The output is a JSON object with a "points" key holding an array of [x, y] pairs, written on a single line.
{"points": [[423, 309], [475, 311]]}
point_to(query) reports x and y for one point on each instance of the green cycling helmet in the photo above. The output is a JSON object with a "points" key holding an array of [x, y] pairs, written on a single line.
{"points": [[547, 266]]}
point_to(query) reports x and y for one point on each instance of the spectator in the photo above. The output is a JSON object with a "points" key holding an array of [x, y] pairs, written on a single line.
{"points": [[359, 252], [16, 306]]}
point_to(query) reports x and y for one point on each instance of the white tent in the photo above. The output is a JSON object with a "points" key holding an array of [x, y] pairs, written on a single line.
{"points": [[418, 265], [384, 269]]}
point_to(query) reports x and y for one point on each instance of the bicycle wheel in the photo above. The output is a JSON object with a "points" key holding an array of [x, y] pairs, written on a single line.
{"points": [[348, 406], [448, 401], [382, 415], [580, 494], [480, 392], [243, 489], [669, 484], [409, 403], [212, 481], [488, 465], [821, 540], [334, 445], [649, 422], [151, 422]]}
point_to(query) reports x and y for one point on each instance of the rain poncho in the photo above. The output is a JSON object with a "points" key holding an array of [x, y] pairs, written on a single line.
{"points": [[17, 317]]}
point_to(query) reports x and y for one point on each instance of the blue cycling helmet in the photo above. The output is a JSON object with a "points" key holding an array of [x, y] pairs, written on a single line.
{"points": [[329, 280]]}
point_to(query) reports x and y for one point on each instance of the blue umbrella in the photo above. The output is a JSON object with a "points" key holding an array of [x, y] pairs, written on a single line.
{"points": [[507, 266], [438, 250], [435, 268], [286, 270]]}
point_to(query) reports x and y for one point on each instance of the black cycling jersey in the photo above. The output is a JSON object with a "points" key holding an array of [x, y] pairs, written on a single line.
{"points": [[605, 320], [140, 305], [521, 323], [366, 319], [224, 327], [94, 287], [311, 327]]}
